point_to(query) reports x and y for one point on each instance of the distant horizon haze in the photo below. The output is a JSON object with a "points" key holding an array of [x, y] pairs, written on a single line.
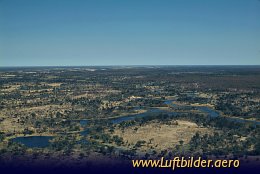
{"points": [[100, 66]]}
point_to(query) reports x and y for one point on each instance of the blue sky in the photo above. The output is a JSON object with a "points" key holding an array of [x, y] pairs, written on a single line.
{"points": [[129, 32]]}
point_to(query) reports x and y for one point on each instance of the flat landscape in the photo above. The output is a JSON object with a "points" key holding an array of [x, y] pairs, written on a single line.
{"points": [[154, 136], [85, 114]]}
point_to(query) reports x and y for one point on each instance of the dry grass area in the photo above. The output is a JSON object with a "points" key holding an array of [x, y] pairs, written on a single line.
{"points": [[160, 136], [86, 95], [46, 108], [54, 84], [9, 88], [10, 125], [9, 119], [93, 94]]}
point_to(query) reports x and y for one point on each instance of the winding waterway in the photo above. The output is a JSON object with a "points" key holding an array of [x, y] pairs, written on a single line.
{"points": [[43, 141]]}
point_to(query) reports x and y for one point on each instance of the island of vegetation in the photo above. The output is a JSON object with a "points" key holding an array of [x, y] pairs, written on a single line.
{"points": [[81, 115]]}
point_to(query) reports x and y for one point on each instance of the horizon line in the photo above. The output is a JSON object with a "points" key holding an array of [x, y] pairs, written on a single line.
{"points": [[25, 66]]}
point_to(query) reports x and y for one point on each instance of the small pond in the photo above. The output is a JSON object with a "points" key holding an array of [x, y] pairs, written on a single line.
{"points": [[43, 141], [34, 141]]}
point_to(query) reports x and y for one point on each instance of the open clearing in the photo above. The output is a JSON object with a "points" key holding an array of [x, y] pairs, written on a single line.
{"points": [[160, 136]]}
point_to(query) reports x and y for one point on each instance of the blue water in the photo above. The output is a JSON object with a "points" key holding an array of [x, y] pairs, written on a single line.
{"points": [[83, 122], [43, 141], [127, 118], [210, 112], [34, 141], [132, 117], [84, 132]]}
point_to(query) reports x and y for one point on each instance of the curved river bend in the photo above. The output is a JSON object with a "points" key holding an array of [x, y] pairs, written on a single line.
{"points": [[43, 141]]}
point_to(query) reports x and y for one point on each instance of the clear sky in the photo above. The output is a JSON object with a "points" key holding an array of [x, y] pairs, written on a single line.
{"points": [[129, 32]]}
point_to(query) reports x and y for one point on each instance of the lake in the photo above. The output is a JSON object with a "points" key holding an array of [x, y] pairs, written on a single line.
{"points": [[34, 141], [43, 141]]}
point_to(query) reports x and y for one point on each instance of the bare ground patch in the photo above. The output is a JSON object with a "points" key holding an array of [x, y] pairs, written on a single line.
{"points": [[160, 136]]}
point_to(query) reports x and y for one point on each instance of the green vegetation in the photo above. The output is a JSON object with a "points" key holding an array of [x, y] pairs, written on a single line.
{"points": [[56, 101]]}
